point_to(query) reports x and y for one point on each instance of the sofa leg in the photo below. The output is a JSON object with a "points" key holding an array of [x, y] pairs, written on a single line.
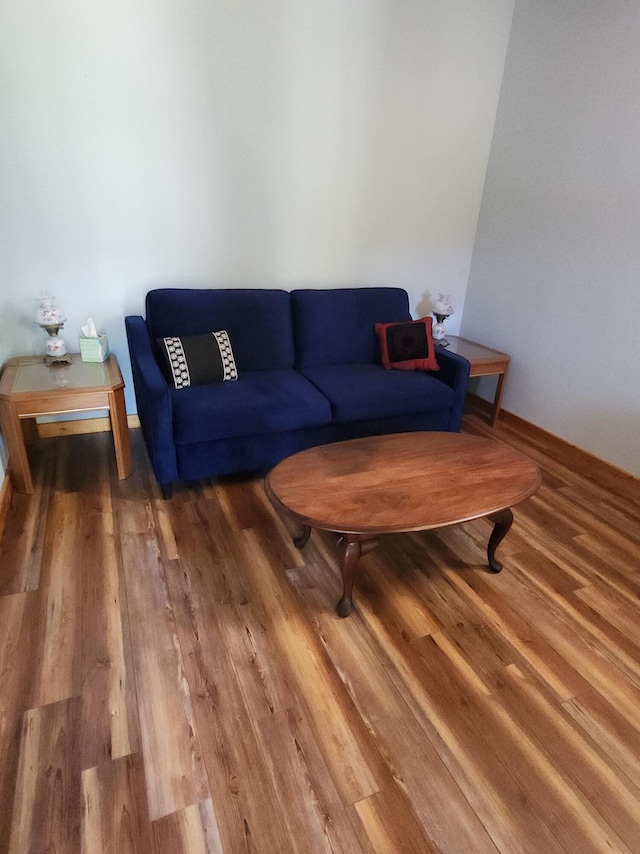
{"points": [[166, 489]]}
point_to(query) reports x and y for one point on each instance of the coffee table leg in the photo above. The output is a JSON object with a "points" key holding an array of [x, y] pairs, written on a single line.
{"points": [[502, 521], [349, 552], [350, 548], [303, 538]]}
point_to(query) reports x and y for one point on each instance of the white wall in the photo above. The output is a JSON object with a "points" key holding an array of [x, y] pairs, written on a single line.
{"points": [[239, 142], [555, 278]]}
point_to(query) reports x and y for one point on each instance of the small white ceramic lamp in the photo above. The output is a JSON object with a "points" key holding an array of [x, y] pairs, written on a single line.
{"points": [[442, 309], [51, 319]]}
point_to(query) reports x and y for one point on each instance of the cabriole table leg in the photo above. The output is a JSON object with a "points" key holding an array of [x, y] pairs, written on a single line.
{"points": [[302, 538], [348, 555], [350, 549], [502, 520]]}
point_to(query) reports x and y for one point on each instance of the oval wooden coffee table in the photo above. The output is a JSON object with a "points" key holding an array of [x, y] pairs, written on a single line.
{"points": [[403, 482]]}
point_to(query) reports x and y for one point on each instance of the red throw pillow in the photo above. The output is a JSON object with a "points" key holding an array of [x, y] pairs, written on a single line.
{"points": [[407, 345]]}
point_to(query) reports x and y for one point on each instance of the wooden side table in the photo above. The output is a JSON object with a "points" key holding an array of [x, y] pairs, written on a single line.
{"points": [[484, 362], [29, 388]]}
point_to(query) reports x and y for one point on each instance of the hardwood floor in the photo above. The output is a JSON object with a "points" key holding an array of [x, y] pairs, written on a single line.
{"points": [[173, 677]]}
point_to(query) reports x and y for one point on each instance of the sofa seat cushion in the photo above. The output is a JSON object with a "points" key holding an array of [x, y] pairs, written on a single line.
{"points": [[364, 391], [257, 402]]}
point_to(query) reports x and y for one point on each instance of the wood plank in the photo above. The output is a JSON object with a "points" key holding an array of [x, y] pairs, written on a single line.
{"points": [[311, 806], [353, 758], [533, 648], [489, 753], [47, 808], [58, 672], [596, 787], [581, 653], [622, 650], [22, 543], [193, 830], [385, 822], [420, 559], [115, 818], [215, 603], [175, 774], [110, 726], [230, 746], [18, 615], [600, 516], [587, 770], [212, 579], [471, 759], [410, 616], [174, 769], [617, 737], [367, 672], [615, 564]]}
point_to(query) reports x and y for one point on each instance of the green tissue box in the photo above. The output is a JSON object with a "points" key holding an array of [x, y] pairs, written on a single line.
{"points": [[94, 349]]}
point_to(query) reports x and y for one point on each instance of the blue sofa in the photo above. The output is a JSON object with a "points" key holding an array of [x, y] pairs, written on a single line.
{"points": [[309, 372]]}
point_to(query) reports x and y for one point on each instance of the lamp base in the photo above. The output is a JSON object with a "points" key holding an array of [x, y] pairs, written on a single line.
{"points": [[57, 360]]}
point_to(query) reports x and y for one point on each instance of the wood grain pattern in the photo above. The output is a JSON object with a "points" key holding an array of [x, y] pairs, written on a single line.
{"points": [[58, 669], [22, 541], [308, 798], [386, 823], [351, 754], [46, 810], [193, 830], [18, 614], [6, 492], [115, 817], [173, 759], [401, 482], [174, 679], [406, 749]]}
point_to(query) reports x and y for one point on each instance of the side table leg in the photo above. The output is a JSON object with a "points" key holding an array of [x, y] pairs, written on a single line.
{"points": [[502, 520], [120, 431], [14, 437], [497, 401]]}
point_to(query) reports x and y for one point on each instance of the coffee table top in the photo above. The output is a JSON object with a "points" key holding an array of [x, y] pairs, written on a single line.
{"points": [[401, 482]]}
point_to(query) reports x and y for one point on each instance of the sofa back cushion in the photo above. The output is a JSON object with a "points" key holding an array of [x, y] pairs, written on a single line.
{"points": [[258, 321], [334, 327]]}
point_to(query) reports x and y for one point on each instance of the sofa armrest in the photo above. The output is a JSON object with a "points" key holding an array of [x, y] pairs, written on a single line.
{"points": [[153, 400], [454, 371]]}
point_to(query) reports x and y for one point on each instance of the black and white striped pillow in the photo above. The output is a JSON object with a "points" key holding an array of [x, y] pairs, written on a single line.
{"points": [[198, 359]]}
